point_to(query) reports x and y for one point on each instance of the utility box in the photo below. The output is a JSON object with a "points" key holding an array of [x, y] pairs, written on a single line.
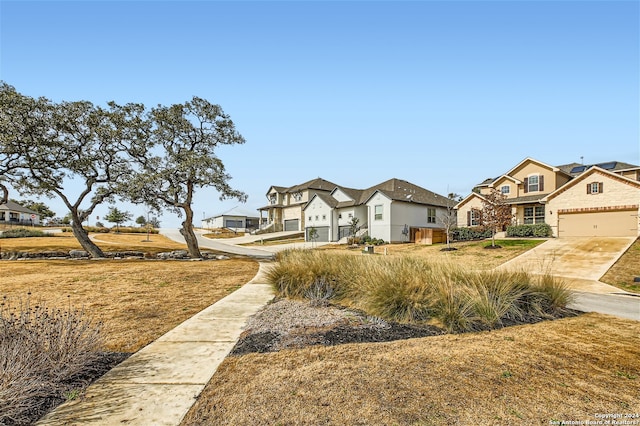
{"points": [[368, 250]]}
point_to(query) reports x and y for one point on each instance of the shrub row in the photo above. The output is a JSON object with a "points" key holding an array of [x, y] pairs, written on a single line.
{"points": [[413, 289], [372, 241], [470, 233], [23, 233], [537, 230], [122, 229], [42, 351]]}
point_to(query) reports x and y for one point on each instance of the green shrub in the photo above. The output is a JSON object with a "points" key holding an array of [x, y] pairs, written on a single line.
{"points": [[23, 233], [470, 233], [537, 230]]}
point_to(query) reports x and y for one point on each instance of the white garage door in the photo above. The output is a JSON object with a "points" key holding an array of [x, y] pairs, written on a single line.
{"points": [[599, 224], [322, 232]]}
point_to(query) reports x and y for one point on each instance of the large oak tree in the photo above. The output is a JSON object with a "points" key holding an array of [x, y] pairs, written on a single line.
{"points": [[184, 138], [75, 151]]}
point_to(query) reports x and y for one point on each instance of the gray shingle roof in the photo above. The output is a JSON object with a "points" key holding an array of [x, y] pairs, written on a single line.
{"points": [[401, 190], [15, 207]]}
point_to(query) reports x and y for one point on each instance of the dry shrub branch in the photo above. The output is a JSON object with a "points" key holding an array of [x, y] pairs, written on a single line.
{"points": [[43, 351]]}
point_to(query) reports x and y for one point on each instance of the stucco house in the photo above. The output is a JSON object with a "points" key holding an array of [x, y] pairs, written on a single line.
{"points": [[237, 219], [541, 193], [14, 214], [388, 211]]}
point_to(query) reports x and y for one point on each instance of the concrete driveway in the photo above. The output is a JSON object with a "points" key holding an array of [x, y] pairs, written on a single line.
{"points": [[581, 262]]}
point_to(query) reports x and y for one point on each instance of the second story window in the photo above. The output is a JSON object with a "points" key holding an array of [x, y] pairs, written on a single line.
{"points": [[534, 183], [505, 189], [272, 199], [377, 212], [431, 215], [297, 196]]}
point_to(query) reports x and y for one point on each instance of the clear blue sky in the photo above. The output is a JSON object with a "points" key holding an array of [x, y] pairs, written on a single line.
{"points": [[442, 94]]}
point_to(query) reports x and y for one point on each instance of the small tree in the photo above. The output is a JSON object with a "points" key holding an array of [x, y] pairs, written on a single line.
{"points": [[141, 221], [116, 216], [353, 229], [495, 213], [313, 235], [449, 219]]}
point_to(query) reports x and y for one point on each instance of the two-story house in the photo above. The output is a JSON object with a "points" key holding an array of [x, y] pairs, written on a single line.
{"points": [[284, 208], [388, 211], [541, 193]]}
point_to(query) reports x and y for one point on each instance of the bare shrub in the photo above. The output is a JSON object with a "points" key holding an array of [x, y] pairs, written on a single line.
{"points": [[320, 292], [42, 351]]}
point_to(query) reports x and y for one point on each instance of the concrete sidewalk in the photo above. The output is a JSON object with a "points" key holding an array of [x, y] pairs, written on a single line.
{"points": [[158, 384]]}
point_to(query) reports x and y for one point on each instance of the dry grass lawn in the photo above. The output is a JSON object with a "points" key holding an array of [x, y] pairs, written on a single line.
{"points": [[625, 270], [567, 369], [468, 253], [107, 242], [137, 300]]}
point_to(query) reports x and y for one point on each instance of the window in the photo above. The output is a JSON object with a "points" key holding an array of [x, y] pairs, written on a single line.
{"points": [[378, 212], [533, 184], [431, 215], [324, 217], [316, 217], [505, 189], [309, 218], [533, 215], [350, 215], [340, 216], [474, 217], [594, 188], [272, 199], [297, 196]]}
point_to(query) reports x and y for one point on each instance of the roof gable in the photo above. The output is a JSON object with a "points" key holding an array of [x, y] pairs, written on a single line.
{"points": [[325, 198], [593, 170], [401, 190], [468, 198], [15, 207], [530, 160], [502, 178]]}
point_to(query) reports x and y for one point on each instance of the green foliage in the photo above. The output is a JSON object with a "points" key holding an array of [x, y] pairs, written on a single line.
{"points": [[23, 233], [117, 216], [537, 230], [39, 207], [413, 289], [372, 241], [140, 220], [471, 233]]}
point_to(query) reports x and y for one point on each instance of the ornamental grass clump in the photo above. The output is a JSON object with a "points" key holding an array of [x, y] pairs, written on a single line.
{"points": [[43, 351], [415, 290]]}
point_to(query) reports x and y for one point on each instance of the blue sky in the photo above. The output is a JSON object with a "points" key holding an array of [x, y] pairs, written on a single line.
{"points": [[440, 93]]}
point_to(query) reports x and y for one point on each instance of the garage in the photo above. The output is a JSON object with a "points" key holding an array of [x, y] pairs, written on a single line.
{"points": [[292, 225], [344, 231], [322, 232], [599, 224], [233, 223]]}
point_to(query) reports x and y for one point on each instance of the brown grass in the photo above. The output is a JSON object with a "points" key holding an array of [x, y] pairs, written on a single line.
{"points": [[625, 270], [137, 301], [107, 242], [567, 369], [468, 253]]}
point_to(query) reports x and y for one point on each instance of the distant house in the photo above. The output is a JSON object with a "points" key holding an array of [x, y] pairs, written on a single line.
{"points": [[236, 219], [284, 211], [14, 214], [386, 211], [574, 199]]}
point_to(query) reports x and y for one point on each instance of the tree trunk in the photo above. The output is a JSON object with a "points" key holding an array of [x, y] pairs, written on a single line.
{"points": [[5, 194], [83, 238], [189, 235]]}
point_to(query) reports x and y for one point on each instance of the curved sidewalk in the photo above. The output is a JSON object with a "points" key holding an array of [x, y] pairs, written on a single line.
{"points": [[158, 384]]}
